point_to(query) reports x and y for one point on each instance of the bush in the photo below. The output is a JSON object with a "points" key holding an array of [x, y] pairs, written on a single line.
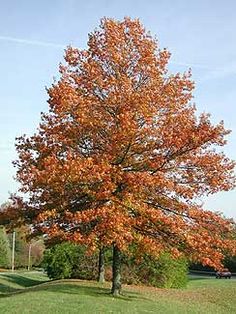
{"points": [[68, 260], [60, 260], [164, 272], [171, 273]]}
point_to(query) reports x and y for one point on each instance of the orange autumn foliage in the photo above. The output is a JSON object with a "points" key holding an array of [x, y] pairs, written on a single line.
{"points": [[121, 157]]}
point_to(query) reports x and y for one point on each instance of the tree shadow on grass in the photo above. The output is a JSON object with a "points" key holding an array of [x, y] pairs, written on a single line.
{"points": [[67, 288], [6, 289], [70, 288], [22, 281]]}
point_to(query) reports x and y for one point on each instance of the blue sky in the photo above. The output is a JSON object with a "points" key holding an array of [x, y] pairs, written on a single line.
{"points": [[199, 34]]}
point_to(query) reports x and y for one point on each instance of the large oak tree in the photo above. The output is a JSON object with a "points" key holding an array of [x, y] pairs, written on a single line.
{"points": [[122, 157]]}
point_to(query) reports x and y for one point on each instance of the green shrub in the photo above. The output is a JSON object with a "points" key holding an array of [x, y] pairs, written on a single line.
{"points": [[68, 260], [171, 273], [164, 272], [59, 260]]}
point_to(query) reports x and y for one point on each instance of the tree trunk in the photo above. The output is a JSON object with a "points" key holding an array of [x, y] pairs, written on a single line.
{"points": [[101, 266], [116, 267]]}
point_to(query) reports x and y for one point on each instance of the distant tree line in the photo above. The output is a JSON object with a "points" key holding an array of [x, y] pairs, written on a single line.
{"points": [[22, 249]]}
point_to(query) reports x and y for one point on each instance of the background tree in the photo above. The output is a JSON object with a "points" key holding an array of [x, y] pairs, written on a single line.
{"points": [[5, 256], [35, 251], [21, 247], [122, 156]]}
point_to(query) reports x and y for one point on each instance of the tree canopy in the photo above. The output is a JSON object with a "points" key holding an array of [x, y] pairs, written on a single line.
{"points": [[122, 156]]}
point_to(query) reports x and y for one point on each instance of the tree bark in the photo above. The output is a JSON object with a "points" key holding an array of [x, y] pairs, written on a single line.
{"points": [[116, 271], [101, 266]]}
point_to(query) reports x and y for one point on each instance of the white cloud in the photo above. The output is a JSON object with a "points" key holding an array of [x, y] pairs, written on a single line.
{"points": [[227, 70], [209, 73], [31, 42], [191, 65]]}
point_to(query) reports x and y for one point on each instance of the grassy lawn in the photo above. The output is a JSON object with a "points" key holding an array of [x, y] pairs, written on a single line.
{"points": [[33, 293]]}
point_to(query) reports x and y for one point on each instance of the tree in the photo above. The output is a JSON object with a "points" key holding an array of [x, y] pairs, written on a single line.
{"points": [[5, 256], [122, 156]]}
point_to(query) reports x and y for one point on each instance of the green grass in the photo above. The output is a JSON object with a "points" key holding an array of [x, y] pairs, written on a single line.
{"points": [[33, 293]]}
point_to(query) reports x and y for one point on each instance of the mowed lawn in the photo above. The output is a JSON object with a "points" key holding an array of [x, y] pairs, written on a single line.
{"points": [[33, 293]]}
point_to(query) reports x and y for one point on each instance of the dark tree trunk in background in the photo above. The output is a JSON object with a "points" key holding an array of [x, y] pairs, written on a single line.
{"points": [[116, 271], [101, 266]]}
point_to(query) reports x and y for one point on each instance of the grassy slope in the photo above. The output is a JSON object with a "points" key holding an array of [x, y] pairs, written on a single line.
{"points": [[23, 293]]}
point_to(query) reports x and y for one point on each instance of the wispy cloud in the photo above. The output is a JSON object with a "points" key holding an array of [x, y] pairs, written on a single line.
{"points": [[211, 72], [191, 65], [31, 42], [220, 73]]}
